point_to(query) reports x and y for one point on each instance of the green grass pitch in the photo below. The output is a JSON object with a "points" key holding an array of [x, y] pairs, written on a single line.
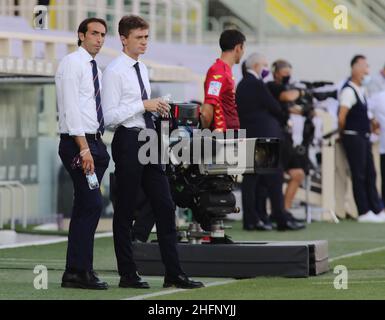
{"points": [[366, 271]]}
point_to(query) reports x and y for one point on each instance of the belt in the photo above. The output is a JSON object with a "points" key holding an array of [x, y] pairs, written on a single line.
{"points": [[133, 129], [89, 136], [356, 133]]}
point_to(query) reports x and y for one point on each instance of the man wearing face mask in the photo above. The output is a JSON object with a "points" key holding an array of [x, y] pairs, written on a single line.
{"points": [[260, 114], [355, 129], [286, 96]]}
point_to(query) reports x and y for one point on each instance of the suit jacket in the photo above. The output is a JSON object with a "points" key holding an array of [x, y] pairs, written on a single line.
{"points": [[259, 113]]}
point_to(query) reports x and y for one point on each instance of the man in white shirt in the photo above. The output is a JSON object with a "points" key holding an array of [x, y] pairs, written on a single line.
{"points": [[128, 108], [377, 107], [355, 127], [377, 83], [81, 149]]}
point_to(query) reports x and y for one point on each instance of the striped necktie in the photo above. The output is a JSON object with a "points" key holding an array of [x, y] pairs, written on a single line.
{"points": [[99, 110], [147, 115]]}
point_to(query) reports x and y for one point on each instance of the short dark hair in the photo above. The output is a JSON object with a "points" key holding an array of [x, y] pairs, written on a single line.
{"points": [[83, 26], [279, 65], [356, 58], [230, 39], [131, 22]]}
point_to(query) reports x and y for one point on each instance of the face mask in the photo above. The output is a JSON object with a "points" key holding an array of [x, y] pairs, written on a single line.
{"points": [[286, 80], [366, 80], [265, 72]]}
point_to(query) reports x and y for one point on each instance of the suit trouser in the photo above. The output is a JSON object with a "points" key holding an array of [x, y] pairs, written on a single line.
{"points": [[87, 203], [144, 220], [358, 151], [252, 186], [383, 177], [130, 174]]}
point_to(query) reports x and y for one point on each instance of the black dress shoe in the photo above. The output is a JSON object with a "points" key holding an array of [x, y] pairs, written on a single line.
{"points": [[261, 226], [82, 280], [181, 281], [133, 281], [291, 217], [291, 226]]}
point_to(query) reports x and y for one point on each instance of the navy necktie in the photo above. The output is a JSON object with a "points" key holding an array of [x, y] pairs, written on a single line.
{"points": [[147, 115], [99, 110]]}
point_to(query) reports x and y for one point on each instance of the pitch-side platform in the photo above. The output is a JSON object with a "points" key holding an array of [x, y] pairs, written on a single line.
{"points": [[297, 259]]}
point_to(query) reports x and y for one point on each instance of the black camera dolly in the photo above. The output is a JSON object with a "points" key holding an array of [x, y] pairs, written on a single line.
{"points": [[296, 259]]}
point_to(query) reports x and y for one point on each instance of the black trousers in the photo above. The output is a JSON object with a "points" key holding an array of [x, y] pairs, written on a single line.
{"points": [[254, 189], [130, 174], [383, 177], [87, 203], [358, 151]]}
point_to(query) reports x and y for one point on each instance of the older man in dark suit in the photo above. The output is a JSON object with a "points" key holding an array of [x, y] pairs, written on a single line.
{"points": [[259, 114]]}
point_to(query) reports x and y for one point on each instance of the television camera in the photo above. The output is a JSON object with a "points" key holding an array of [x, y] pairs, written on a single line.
{"points": [[204, 182], [312, 92]]}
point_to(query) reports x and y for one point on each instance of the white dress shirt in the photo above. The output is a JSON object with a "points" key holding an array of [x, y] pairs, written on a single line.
{"points": [[76, 94], [121, 97], [251, 71], [377, 107], [377, 84], [348, 98]]}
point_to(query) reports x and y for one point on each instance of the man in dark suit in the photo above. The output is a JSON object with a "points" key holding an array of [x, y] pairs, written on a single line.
{"points": [[81, 149], [129, 108], [259, 113]]}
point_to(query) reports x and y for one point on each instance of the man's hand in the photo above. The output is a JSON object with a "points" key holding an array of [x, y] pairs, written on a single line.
{"points": [[157, 105], [87, 162], [85, 155], [295, 109], [290, 95], [376, 127]]}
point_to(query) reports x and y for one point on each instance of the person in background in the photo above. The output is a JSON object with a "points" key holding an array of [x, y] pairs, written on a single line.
{"points": [[355, 128], [377, 83], [260, 114], [377, 107], [219, 110], [286, 97]]}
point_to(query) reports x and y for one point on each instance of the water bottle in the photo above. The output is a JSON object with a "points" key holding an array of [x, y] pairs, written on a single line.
{"points": [[92, 180], [167, 98]]}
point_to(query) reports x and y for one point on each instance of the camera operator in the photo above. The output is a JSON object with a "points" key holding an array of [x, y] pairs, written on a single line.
{"points": [[286, 96], [260, 115]]}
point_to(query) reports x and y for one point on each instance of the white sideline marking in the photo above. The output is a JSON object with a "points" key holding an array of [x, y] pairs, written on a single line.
{"points": [[351, 282], [52, 241], [358, 253], [31, 260], [163, 293], [157, 294]]}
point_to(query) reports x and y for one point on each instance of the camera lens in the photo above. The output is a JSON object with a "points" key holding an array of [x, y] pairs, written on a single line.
{"points": [[266, 154], [261, 156]]}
